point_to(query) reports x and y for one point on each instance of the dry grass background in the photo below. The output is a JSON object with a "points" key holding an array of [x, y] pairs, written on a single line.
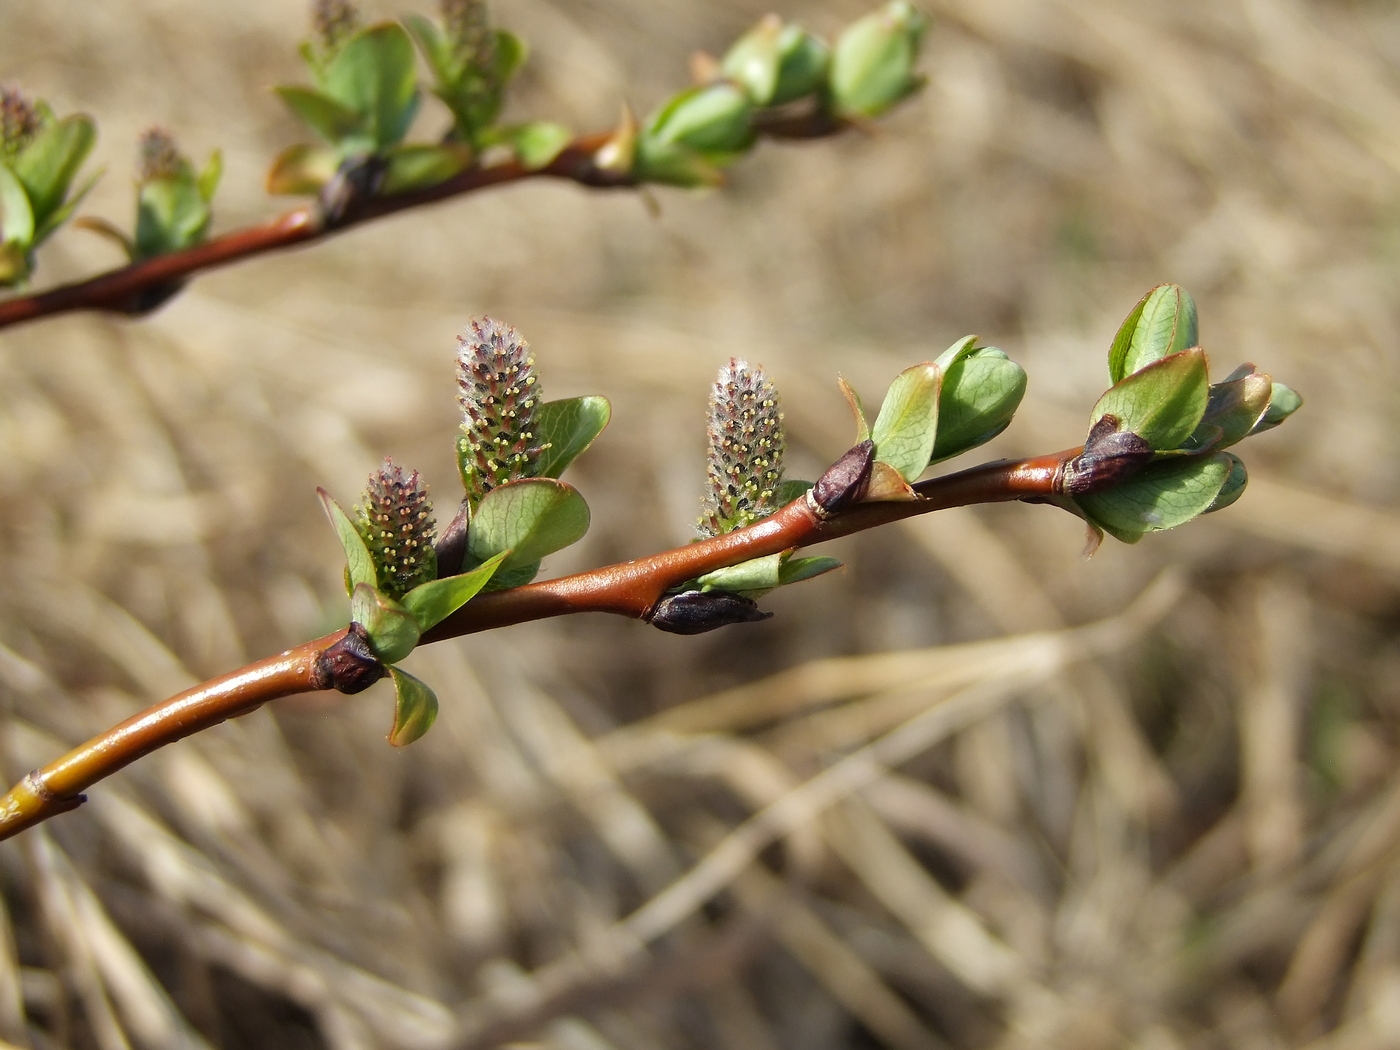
{"points": [[923, 807]]}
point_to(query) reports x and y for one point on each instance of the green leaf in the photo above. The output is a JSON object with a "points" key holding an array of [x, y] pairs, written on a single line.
{"points": [[1163, 323], [907, 426], [416, 166], [672, 164], [1162, 496], [1234, 407], [530, 518], [59, 215], [359, 564], [1161, 403], [980, 392], [568, 427], [790, 489], [519, 576], [49, 163], [803, 65], [756, 577], [329, 119], [510, 54], [302, 169], [16, 217], [872, 64], [1283, 402], [434, 601], [1234, 485], [170, 214], [415, 708], [373, 74], [393, 631], [715, 120], [209, 178], [435, 47], [537, 143], [857, 409]]}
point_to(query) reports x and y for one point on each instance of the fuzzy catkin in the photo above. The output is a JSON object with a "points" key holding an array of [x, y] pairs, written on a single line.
{"points": [[396, 521], [746, 445], [158, 157], [499, 392], [19, 122]]}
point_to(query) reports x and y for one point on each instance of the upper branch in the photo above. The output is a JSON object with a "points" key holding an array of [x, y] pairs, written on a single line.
{"points": [[142, 286]]}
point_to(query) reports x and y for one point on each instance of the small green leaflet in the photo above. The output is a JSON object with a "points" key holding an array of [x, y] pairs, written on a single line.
{"points": [[415, 708], [907, 426], [566, 428], [434, 601], [357, 557], [393, 632]]}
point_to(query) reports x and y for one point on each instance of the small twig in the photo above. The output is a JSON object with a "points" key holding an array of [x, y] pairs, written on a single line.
{"points": [[142, 286], [343, 661]]}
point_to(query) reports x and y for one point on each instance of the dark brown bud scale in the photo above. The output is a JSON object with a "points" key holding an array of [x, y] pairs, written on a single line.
{"points": [[695, 612], [349, 666], [746, 446], [396, 522], [1110, 457], [499, 392], [845, 481]]}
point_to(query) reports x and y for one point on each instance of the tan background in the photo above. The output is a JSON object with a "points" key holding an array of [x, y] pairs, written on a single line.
{"points": [[1189, 841]]}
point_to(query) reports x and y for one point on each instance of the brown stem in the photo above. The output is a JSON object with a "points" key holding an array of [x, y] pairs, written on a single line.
{"points": [[341, 660], [142, 286]]}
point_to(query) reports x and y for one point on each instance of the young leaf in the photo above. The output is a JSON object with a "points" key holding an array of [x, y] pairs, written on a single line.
{"points": [[415, 708], [434, 601], [668, 163], [16, 216], [872, 63], [302, 169], [907, 426], [374, 75], [1234, 408], [170, 214], [59, 215], [415, 166], [1234, 485], [209, 178], [48, 164], [1162, 496], [567, 427], [392, 630], [1162, 402], [329, 119], [536, 143], [715, 120], [530, 519], [857, 409], [1163, 323], [436, 48], [980, 392], [758, 574], [1283, 402], [359, 564]]}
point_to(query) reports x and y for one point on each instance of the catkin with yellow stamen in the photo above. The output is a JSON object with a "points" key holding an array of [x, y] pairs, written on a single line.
{"points": [[396, 522]]}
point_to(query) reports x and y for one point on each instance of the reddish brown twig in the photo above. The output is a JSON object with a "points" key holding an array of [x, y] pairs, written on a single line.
{"points": [[341, 660], [143, 286]]}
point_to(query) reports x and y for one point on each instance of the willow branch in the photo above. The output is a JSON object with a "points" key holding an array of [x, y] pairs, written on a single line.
{"points": [[142, 286], [343, 660]]}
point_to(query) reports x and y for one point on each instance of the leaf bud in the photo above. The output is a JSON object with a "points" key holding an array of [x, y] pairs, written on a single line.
{"points": [[695, 612], [777, 63], [715, 120], [872, 64]]}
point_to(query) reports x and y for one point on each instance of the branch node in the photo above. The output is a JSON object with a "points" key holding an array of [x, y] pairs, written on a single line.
{"points": [[349, 666]]}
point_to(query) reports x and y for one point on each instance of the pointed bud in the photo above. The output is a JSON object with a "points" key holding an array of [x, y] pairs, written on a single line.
{"points": [[19, 122], [872, 65], [712, 119], [500, 396], [746, 447], [396, 522], [696, 612], [777, 63]]}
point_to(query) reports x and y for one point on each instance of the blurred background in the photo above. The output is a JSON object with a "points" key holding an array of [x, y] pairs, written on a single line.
{"points": [[1175, 827]]}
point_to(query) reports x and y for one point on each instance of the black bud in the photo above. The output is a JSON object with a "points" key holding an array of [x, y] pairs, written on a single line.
{"points": [[349, 666], [845, 480], [1110, 456], [356, 181], [695, 612], [451, 546]]}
